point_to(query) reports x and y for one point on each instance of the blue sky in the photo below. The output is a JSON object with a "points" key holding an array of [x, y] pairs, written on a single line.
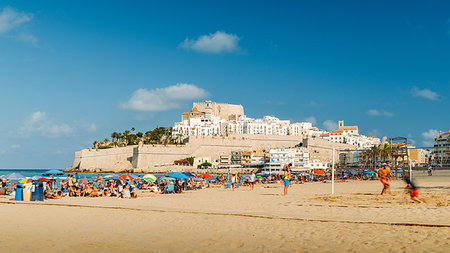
{"points": [[72, 72]]}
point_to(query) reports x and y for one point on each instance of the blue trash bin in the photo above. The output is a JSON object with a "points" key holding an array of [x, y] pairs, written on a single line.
{"points": [[19, 192], [38, 193]]}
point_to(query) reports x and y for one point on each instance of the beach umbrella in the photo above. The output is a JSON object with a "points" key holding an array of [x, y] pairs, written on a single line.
{"points": [[164, 178], [25, 181], [35, 178], [353, 172], [205, 176], [85, 180], [149, 178], [319, 172], [177, 175], [111, 176], [53, 172], [13, 176], [43, 179], [126, 177], [188, 174]]}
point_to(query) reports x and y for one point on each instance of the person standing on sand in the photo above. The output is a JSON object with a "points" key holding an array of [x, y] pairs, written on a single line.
{"points": [[385, 176], [252, 180], [287, 177], [233, 181]]}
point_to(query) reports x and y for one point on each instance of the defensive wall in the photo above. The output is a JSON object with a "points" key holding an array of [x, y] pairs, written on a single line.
{"points": [[153, 158]]}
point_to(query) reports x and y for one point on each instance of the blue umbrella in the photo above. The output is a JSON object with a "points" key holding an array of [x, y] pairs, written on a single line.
{"points": [[164, 178], [53, 172], [177, 175], [111, 176], [188, 174], [12, 176]]}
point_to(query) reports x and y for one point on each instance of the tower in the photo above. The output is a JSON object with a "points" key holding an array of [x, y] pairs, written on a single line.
{"points": [[341, 123]]}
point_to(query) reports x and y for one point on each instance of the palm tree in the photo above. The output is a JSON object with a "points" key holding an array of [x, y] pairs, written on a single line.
{"points": [[114, 136], [95, 144], [132, 129], [125, 135]]}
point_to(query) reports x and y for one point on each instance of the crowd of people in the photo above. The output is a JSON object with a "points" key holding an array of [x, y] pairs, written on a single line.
{"points": [[130, 187]]}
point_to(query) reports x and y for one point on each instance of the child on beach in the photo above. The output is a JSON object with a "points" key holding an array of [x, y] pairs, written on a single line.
{"points": [[412, 189]]}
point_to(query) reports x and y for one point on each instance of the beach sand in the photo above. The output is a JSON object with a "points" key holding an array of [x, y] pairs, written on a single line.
{"points": [[309, 219]]}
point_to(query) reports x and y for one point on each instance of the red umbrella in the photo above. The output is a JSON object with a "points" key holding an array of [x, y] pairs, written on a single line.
{"points": [[126, 177], [43, 179], [85, 181], [205, 176], [319, 172]]}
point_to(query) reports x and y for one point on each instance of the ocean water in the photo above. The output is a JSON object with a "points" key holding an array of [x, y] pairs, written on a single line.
{"points": [[38, 172]]}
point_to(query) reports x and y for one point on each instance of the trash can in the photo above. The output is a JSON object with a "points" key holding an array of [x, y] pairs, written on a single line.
{"points": [[37, 193], [27, 191], [19, 192]]}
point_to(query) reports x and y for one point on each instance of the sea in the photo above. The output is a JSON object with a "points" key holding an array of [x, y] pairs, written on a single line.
{"points": [[31, 172]]}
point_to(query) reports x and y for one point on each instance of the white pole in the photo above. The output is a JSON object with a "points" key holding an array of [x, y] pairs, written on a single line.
{"points": [[410, 169], [332, 175]]}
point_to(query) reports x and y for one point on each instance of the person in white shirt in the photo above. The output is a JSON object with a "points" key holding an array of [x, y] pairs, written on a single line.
{"points": [[233, 181], [252, 180]]}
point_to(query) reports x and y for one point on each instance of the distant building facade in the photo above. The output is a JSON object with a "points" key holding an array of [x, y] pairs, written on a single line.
{"points": [[441, 153]]}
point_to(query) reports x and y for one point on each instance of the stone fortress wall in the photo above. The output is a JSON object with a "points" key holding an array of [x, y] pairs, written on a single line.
{"points": [[151, 158]]}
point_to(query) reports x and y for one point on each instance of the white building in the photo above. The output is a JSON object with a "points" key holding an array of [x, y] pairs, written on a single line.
{"points": [[441, 152], [299, 157]]}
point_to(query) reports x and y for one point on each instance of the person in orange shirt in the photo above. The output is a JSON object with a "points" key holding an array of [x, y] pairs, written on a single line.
{"points": [[385, 176]]}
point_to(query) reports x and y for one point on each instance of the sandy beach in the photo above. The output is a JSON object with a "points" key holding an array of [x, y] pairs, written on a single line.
{"points": [[309, 219]]}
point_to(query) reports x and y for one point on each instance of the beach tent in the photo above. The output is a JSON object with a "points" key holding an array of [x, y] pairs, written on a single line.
{"points": [[12, 176], [126, 177], [188, 174], [53, 172], [149, 178], [177, 175], [205, 176]]}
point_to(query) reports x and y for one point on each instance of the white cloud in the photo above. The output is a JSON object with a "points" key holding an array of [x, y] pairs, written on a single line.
{"points": [[11, 19], [26, 37], [92, 127], [14, 146], [215, 43], [311, 119], [411, 140], [424, 93], [163, 99], [38, 122], [330, 125], [375, 112], [428, 137]]}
